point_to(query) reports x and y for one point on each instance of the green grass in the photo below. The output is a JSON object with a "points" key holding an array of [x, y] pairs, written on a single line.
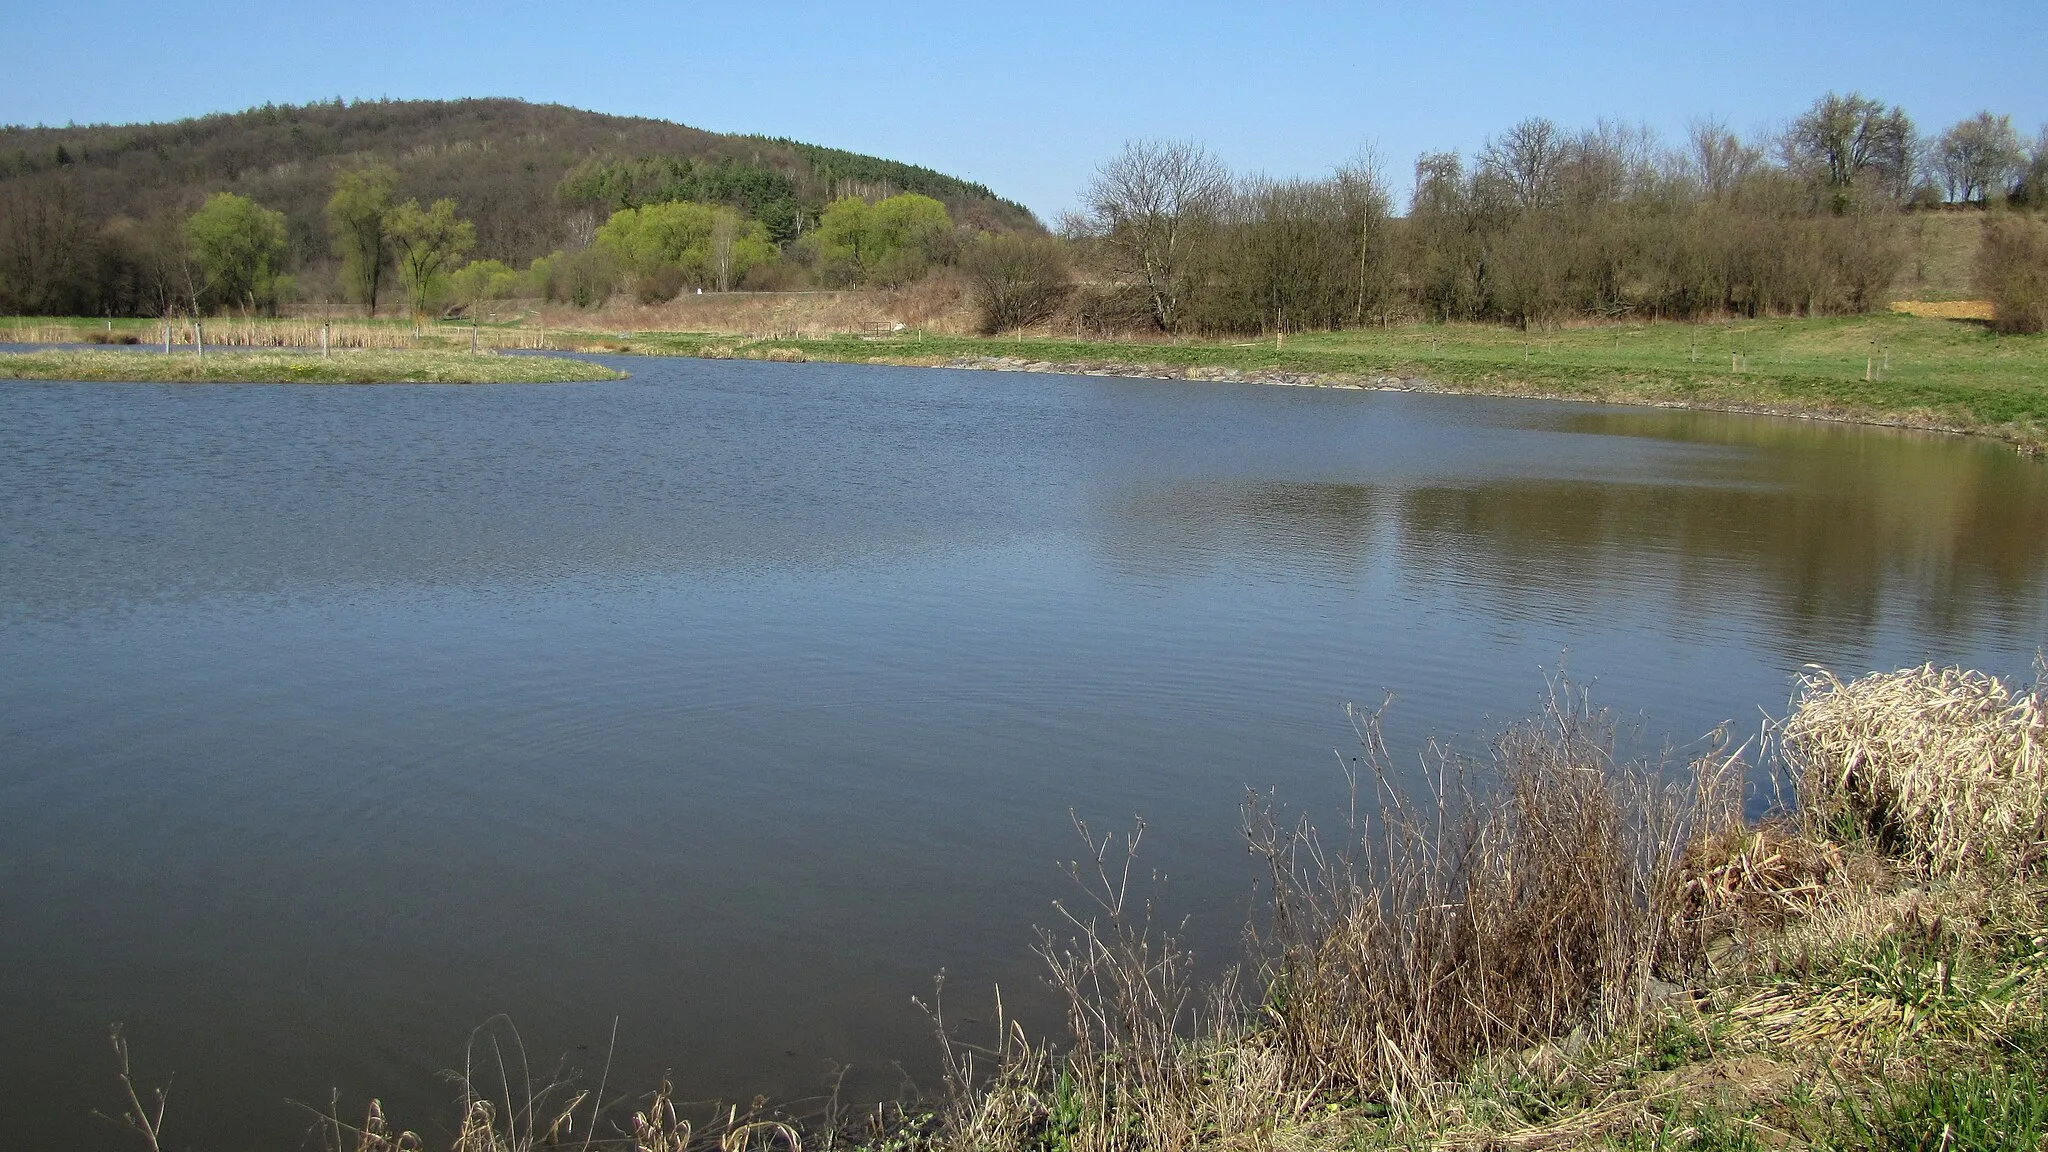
{"points": [[343, 367], [1925, 372], [1996, 1105]]}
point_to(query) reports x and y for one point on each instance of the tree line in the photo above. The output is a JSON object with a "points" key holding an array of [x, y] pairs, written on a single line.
{"points": [[1543, 224]]}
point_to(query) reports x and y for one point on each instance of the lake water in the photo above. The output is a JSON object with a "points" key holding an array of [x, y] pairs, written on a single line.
{"points": [[736, 700]]}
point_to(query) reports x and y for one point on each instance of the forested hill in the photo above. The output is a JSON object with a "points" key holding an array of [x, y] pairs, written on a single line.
{"points": [[532, 177]]}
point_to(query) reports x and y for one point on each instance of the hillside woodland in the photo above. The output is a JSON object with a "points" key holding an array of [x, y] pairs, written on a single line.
{"points": [[93, 219], [433, 208]]}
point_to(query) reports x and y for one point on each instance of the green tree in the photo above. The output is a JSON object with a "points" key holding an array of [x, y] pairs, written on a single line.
{"points": [[238, 245], [356, 221], [891, 241], [426, 242], [685, 242], [845, 247], [481, 280]]}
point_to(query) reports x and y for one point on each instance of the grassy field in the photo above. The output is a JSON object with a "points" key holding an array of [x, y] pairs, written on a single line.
{"points": [[1941, 255], [343, 367], [1893, 368]]}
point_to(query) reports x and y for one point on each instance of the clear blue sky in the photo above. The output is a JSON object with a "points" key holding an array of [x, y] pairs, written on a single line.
{"points": [[1029, 97]]}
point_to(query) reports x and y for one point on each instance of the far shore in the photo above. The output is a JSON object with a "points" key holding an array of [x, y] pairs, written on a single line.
{"points": [[1937, 372], [348, 366], [1895, 370], [2029, 444]]}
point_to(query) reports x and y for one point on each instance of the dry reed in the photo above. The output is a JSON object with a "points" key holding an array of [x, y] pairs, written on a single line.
{"points": [[1534, 891], [1945, 767], [300, 332], [938, 304]]}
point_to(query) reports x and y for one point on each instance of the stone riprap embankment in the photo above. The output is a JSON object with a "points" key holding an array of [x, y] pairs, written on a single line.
{"points": [[1172, 372]]}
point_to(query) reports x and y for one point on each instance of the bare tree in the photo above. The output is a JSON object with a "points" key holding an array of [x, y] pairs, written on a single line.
{"points": [[1367, 210], [1978, 157], [2032, 186], [1717, 161], [1148, 205], [1527, 161], [44, 247], [725, 224], [1848, 140]]}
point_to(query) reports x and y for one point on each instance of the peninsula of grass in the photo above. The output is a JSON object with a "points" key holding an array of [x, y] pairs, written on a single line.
{"points": [[1910, 371], [350, 366]]}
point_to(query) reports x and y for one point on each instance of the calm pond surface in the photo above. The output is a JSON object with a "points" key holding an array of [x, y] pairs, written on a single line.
{"points": [[736, 700]]}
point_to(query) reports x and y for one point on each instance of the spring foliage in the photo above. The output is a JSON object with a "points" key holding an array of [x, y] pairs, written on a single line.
{"points": [[239, 247], [669, 245], [427, 242], [892, 241]]}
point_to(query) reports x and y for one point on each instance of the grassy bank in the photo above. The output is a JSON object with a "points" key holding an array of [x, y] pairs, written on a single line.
{"points": [[1921, 372], [342, 367], [1927, 371], [1548, 947]]}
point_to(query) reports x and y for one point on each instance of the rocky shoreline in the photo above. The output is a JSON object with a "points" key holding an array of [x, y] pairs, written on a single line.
{"points": [[1379, 382]]}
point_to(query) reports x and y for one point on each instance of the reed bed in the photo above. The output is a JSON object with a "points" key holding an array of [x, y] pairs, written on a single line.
{"points": [[937, 305], [1945, 766], [281, 333], [287, 366], [1543, 887]]}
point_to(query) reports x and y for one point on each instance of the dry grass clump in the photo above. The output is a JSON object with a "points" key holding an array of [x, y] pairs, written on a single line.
{"points": [[1527, 894], [1534, 891], [1942, 766], [1945, 309], [937, 304], [1503, 958], [1901, 970]]}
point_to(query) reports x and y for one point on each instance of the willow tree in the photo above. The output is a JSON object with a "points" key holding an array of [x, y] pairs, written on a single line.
{"points": [[427, 242], [684, 242], [356, 217], [892, 241], [239, 246]]}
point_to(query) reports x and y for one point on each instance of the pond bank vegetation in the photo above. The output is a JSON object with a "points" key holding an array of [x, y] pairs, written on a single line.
{"points": [[1545, 946]]}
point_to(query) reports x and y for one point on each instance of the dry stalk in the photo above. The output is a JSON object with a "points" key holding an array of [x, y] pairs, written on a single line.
{"points": [[146, 1120]]}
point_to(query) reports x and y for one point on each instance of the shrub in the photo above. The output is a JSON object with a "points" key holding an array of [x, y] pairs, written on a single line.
{"points": [[2012, 272], [1016, 280]]}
